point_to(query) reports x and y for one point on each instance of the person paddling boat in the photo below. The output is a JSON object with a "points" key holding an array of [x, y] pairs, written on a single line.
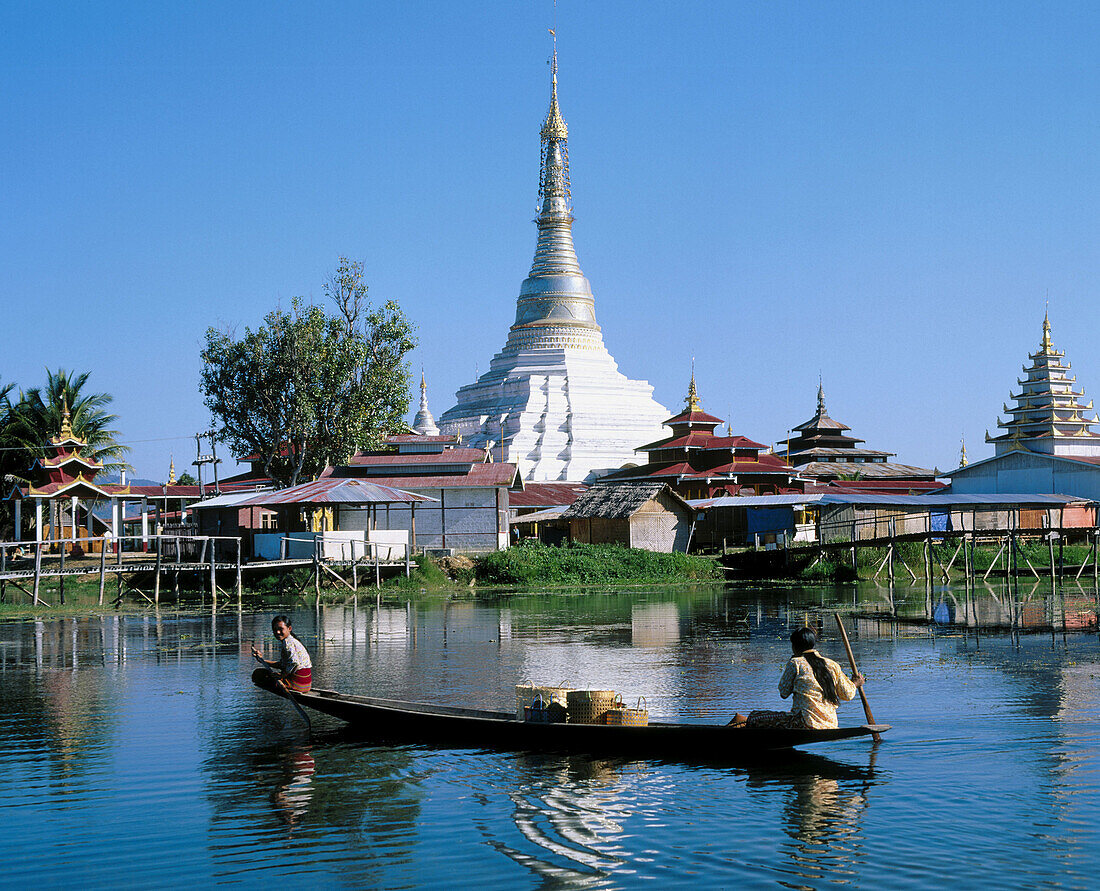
{"points": [[294, 668], [817, 684]]}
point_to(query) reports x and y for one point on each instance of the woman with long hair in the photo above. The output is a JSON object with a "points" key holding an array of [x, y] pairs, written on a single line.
{"points": [[817, 684]]}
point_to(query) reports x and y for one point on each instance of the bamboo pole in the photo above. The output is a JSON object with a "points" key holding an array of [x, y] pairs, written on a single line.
{"points": [[852, 659]]}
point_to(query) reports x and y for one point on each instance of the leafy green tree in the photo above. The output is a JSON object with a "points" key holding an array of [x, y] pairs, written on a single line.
{"points": [[185, 479], [307, 389]]}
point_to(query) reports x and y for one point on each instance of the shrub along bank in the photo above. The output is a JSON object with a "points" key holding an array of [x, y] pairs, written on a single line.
{"points": [[575, 563]]}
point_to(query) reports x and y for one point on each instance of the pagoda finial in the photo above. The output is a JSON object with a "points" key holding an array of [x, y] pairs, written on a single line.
{"points": [[171, 470], [820, 396], [424, 423], [692, 400], [1046, 345], [66, 418], [962, 452]]}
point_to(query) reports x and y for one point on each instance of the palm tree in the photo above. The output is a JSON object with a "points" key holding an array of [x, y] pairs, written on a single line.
{"points": [[39, 414]]}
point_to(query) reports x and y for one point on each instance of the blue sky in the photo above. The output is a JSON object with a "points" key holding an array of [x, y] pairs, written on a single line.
{"points": [[882, 193]]}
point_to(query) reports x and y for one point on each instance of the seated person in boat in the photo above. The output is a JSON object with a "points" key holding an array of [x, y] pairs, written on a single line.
{"points": [[817, 684], [294, 669]]}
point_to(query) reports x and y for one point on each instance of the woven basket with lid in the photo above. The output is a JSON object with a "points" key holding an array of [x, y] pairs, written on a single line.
{"points": [[589, 706]]}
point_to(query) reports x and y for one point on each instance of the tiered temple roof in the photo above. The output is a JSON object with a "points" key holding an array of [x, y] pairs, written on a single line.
{"points": [[824, 452], [67, 471], [1049, 416], [697, 463]]}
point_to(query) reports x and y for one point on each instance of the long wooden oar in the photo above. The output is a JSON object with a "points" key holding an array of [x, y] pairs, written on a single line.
{"points": [[851, 658], [290, 696]]}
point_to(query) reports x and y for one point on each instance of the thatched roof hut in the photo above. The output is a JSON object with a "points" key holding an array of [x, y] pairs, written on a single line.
{"points": [[639, 515]]}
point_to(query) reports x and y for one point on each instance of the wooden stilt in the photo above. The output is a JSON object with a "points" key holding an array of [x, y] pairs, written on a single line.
{"points": [[102, 569], [1050, 543], [213, 570], [61, 572], [37, 570], [156, 573], [240, 579]]}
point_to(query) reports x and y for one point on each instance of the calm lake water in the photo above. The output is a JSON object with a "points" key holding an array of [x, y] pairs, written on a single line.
{"points": [[136, 752]]}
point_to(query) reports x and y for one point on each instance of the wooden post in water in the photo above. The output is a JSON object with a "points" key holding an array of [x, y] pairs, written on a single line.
{"points": [[316, 570], [102, 569], [4, 565], [156, 574], [377, 568], [37, 569], [890, 553], [1050, 543], [61, 570], [213, 571], [240, 579]]}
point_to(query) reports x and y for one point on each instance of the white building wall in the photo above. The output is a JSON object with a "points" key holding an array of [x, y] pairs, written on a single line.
{"points": [[466, 519]]}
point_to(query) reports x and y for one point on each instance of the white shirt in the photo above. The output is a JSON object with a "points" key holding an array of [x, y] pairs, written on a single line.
{"points": [[798, 679], [294, 655]]}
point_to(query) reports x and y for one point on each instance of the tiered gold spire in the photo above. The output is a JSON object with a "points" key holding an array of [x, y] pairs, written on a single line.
{"points": [[66, 419], [171, 471], [692, 400], [962, 453]]}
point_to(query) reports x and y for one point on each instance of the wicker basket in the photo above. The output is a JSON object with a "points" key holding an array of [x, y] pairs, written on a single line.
{"points": [[628, 717], [526, 694], [589, 706]]}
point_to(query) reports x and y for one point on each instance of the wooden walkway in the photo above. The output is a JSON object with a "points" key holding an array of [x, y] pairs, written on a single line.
{"points": [[1010, 559], [129, 568]]}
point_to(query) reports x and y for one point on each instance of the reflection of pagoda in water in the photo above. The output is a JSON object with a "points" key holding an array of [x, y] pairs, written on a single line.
{"points": [[554, 396], [1048, 445]]}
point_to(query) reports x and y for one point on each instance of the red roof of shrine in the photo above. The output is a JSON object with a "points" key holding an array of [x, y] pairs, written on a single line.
{"points": [[696, 440], [693, 417]]}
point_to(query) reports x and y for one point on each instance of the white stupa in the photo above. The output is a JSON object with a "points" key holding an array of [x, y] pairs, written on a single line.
{"points": [[554, 394]]}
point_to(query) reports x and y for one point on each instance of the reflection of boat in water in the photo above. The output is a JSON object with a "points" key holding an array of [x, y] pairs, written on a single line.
{"points": [[416, 722]]}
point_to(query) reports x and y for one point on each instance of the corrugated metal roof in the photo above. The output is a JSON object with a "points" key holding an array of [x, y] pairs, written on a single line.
{"points": [[541, 516], [333, 490], [230, 499], [546, 494], [929, 501]]}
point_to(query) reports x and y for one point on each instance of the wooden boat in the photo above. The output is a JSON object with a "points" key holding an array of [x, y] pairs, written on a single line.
{"points": [[415, 722]]}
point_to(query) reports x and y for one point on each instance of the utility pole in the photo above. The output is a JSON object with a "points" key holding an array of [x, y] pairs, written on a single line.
{"points": [[211, 458]]}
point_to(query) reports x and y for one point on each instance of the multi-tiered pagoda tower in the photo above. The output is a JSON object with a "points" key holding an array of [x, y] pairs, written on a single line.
{"points": [[1048, 417], [822, 450], [553, 400]]}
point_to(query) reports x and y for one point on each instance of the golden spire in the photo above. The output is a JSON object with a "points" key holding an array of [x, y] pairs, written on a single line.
{"points": [[66, 419], [171, 471], [1046, 345], [692, 400], [962, 452], [554, 125]]}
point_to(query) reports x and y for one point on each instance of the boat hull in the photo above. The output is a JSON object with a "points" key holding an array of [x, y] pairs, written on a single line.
{"points": [[458, 727]]}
